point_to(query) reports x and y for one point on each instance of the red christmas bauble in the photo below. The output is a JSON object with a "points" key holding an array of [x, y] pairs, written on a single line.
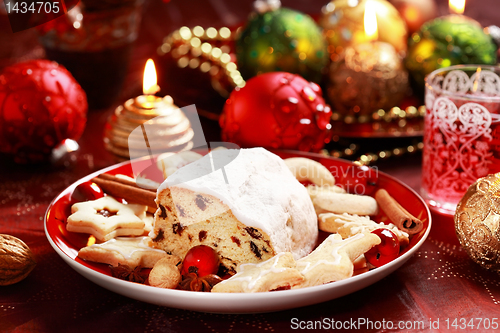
{"points": [[41, 104], [277, 110]]}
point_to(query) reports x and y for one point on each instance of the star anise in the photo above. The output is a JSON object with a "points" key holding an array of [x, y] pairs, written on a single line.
{"points": [[192, 282], [124, 272]]}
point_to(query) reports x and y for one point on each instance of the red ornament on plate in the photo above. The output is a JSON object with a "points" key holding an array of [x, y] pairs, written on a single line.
{"points": [[277, 110], [386, 251], [203, 260], [41, 104]]}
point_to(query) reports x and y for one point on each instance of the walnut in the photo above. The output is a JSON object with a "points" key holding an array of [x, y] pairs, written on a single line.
{"points": [[16, 260], [165, 274]]}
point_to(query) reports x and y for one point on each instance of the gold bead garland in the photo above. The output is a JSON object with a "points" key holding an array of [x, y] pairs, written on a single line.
{"points": [[393, 115], [371, 158], [207, 50]]}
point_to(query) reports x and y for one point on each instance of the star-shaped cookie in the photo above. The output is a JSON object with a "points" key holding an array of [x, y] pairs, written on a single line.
{"points": [[274, 273], [106, 218], [129, 251], [333, 259]]}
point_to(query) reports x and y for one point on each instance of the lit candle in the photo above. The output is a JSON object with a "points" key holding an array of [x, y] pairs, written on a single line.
{"points": [[343, 25], [148, 124], [369, 76]]}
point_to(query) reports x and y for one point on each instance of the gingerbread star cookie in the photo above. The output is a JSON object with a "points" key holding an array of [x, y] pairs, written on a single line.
{"points": [[129, 251], [106, 218], [277, 272], [333, 259]]}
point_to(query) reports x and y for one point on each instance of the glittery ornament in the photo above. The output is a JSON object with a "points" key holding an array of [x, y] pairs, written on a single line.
{"points": [[277, 110], [477, 222], [343, 25], [41, 104], [369, 76], [281, 40], [446, 41]]}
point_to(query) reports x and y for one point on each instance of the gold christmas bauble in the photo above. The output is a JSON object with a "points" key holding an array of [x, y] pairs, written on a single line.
{"points": [[368, 77], [477, 222], [343, 25]]}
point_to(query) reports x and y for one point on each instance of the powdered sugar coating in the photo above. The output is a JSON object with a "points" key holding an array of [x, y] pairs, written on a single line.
{"points": [[261, 193]]}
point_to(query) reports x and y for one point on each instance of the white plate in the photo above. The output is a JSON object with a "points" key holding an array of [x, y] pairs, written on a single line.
{"points": [[64, 244]]}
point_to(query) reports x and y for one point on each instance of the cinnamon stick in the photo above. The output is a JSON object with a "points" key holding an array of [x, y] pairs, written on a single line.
{"points": [[117, 179], [397, 214], [126, 189]]}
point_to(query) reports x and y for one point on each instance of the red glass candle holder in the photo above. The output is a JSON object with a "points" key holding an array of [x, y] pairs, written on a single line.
{"points": [[462, 132]]}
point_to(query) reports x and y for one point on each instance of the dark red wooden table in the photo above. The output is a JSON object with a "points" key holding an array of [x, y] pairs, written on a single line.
{"points": [[435, 287]]}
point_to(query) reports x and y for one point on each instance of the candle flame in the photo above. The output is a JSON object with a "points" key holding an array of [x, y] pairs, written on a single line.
{"points": [[370, 21], [149, 83], [457, 6]]}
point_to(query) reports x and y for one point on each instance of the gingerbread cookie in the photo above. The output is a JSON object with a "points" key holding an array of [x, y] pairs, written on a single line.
{"points": [[106, 218], [333, 259], [276, 273], [129, 251]]}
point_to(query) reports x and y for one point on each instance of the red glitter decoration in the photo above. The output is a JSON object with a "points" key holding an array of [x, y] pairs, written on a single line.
{"points": [[277, 110], [41, 104]]}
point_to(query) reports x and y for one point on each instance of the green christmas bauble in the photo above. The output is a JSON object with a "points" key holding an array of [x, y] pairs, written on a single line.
{"points": [[447, 41], [281, 40]]}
